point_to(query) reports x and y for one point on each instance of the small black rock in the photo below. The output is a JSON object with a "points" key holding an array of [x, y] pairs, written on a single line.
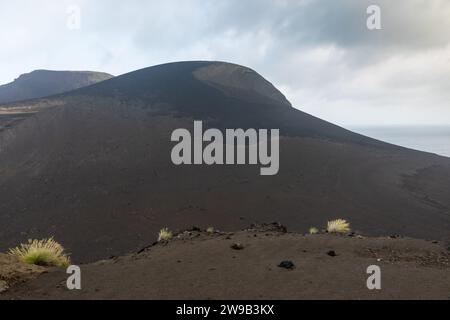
{"points": [[237, 246], [332, 253], [287, 265]]}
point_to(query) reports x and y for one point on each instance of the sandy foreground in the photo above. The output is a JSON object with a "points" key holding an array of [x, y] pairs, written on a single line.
{"points": [[245, 265], [13, 272]]}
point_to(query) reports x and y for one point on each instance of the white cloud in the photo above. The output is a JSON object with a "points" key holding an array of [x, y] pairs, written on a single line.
{"points": [[318, 52]]}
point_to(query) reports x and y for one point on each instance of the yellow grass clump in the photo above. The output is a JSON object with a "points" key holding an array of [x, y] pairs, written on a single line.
{"points": [[313, 230], [45, 252], [338, 226], [210, 230], [164, 235]]}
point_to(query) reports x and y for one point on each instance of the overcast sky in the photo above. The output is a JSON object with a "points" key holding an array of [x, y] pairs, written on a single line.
{"points": [[319, 53]]}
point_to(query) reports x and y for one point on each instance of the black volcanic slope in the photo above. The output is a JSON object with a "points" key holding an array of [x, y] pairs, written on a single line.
{"points": [[41, 83], [94, 170]]}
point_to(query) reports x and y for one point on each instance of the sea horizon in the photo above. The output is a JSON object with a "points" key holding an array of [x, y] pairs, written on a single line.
{"points": [[427, 138]]}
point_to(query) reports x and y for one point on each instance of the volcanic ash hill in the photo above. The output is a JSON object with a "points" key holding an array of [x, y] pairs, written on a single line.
{"points": [[94, 169], [42, 83]]}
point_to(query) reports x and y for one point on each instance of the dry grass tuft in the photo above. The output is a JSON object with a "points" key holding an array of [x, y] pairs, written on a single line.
{"points": [[338, 226], [45, 252], [164, 235]]}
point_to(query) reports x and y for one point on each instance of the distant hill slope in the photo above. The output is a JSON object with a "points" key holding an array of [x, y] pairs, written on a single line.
{"points": [[94, 169], [42, 83]]}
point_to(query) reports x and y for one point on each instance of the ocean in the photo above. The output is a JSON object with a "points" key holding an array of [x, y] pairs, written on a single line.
{"points": [[434, 139]]}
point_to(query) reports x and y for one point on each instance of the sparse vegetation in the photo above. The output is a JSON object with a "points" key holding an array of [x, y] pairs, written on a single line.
{"points": [[338, 226], [164, 235], [313, 230], [210, 230], [45, 252]]}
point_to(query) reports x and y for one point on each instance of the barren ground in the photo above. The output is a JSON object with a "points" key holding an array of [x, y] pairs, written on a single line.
{"points": [[198, 265]]}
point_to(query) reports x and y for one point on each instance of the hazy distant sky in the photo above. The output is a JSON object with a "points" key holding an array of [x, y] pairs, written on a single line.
{"points": [[319, 53]]}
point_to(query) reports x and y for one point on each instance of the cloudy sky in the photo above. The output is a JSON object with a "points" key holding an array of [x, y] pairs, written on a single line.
{"points": [[319, 53]]}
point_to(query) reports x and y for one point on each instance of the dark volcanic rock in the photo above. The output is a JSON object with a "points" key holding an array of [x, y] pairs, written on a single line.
{"points": [[287, 265], [237, 246], [265, 227], [332, 253]]}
